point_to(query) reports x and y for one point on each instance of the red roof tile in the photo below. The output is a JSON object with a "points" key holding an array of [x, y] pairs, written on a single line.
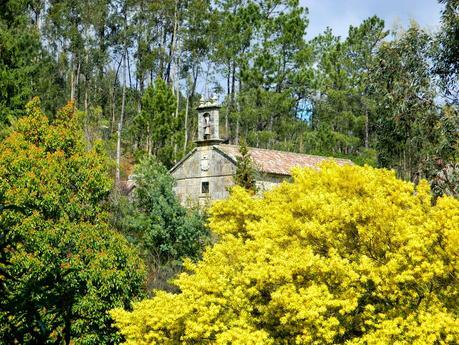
{"points": [[279, 162]]}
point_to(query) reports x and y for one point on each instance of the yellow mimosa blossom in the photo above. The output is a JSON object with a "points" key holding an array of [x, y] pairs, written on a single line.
{"points": [[344, 255]]}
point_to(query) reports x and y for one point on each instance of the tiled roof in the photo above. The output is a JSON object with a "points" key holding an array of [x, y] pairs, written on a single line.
{"points": [[278, 162]]}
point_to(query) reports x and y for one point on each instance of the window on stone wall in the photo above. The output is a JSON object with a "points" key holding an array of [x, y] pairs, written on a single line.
{"points": [[205, 187]]}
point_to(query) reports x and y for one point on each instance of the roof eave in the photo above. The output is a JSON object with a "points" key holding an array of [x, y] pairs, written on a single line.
{"points": [[180, 162], [223, 153]]}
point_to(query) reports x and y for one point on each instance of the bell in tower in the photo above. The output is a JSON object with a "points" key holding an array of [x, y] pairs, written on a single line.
{"points": [[206, 125], [208, 120]]}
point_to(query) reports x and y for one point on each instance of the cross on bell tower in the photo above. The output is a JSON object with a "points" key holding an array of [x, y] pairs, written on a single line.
{"points": [[208, 123]]}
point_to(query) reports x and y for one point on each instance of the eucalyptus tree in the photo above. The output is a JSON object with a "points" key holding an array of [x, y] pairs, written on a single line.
{"points": [[407, 115], [447, 58], [65, 24]]}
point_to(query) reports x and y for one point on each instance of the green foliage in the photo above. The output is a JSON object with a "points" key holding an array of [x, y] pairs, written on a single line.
{"points": [[62, 267], [330, 95], [344, 107], [162, 228], [342, 255], [265, 117], [19, 46], [158, 122], [245, 170], [407, 117], [447, 54], [387, 102]]}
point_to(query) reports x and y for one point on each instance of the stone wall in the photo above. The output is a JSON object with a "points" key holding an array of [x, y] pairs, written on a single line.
{"points": [[269, 181], [204, 165]]}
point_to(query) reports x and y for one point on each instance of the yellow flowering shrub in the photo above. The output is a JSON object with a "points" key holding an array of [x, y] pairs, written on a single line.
{"points": [[348, 255]]}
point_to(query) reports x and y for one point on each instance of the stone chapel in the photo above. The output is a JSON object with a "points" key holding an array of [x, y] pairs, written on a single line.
{"points": [[206, 172]]}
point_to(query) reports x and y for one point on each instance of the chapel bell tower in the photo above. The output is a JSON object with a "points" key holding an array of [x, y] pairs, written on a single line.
{"points": [[208, 123]]}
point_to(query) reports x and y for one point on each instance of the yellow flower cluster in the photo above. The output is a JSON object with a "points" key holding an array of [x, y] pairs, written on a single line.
{"points": [[344, 255]]}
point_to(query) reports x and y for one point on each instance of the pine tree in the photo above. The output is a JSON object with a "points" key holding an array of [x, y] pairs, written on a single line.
{"points": [[157, 122], [19, 45]]}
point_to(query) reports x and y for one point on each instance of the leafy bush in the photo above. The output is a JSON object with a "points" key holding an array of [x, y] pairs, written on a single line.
{"points": [[342, 255], [163, 230], [162, 225]]}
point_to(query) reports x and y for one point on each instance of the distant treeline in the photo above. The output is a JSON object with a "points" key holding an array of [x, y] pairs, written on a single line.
{"points": [[137, 70]]}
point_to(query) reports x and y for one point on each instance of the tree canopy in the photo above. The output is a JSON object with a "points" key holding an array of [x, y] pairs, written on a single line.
{"points": [[138, 69], [62, 268], [342, 255]]}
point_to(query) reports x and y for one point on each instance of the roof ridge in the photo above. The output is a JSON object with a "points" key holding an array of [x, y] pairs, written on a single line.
{"points": [[296, 153]]}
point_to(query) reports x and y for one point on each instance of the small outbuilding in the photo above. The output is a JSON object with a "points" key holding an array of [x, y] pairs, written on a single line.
{"points": [[207, 171]]}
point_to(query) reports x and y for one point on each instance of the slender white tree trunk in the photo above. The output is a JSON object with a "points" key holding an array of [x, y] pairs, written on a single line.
{"points": [[112, 96], [77, 81], [86, 87], [366, 129], [120, 123], [185, 141], [72, 82]]}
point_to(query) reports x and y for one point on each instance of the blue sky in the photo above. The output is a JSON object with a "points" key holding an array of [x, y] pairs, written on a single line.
{"points": [[339, 14]]}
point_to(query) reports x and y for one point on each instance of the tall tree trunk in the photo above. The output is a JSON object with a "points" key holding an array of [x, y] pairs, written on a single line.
{"points": [[120, 123], [177, 94], [112, 96], [233, 82], [228, 100], [148, 140], [366, 128], [86, 85], [176, 122], [67, 330], [72, 80], [237, 131], [195, 82], [173, 43], [129, 70], [86, 97], [238, 109], [161, 58], [77, 81], [185, 140], [176, 115]]}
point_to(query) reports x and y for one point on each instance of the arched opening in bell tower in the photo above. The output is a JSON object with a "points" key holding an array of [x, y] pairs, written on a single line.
{"points": [[206, 126]]}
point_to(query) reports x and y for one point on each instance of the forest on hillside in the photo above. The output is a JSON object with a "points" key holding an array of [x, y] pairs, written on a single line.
{"points": [[137, 70], [94, 91]]}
